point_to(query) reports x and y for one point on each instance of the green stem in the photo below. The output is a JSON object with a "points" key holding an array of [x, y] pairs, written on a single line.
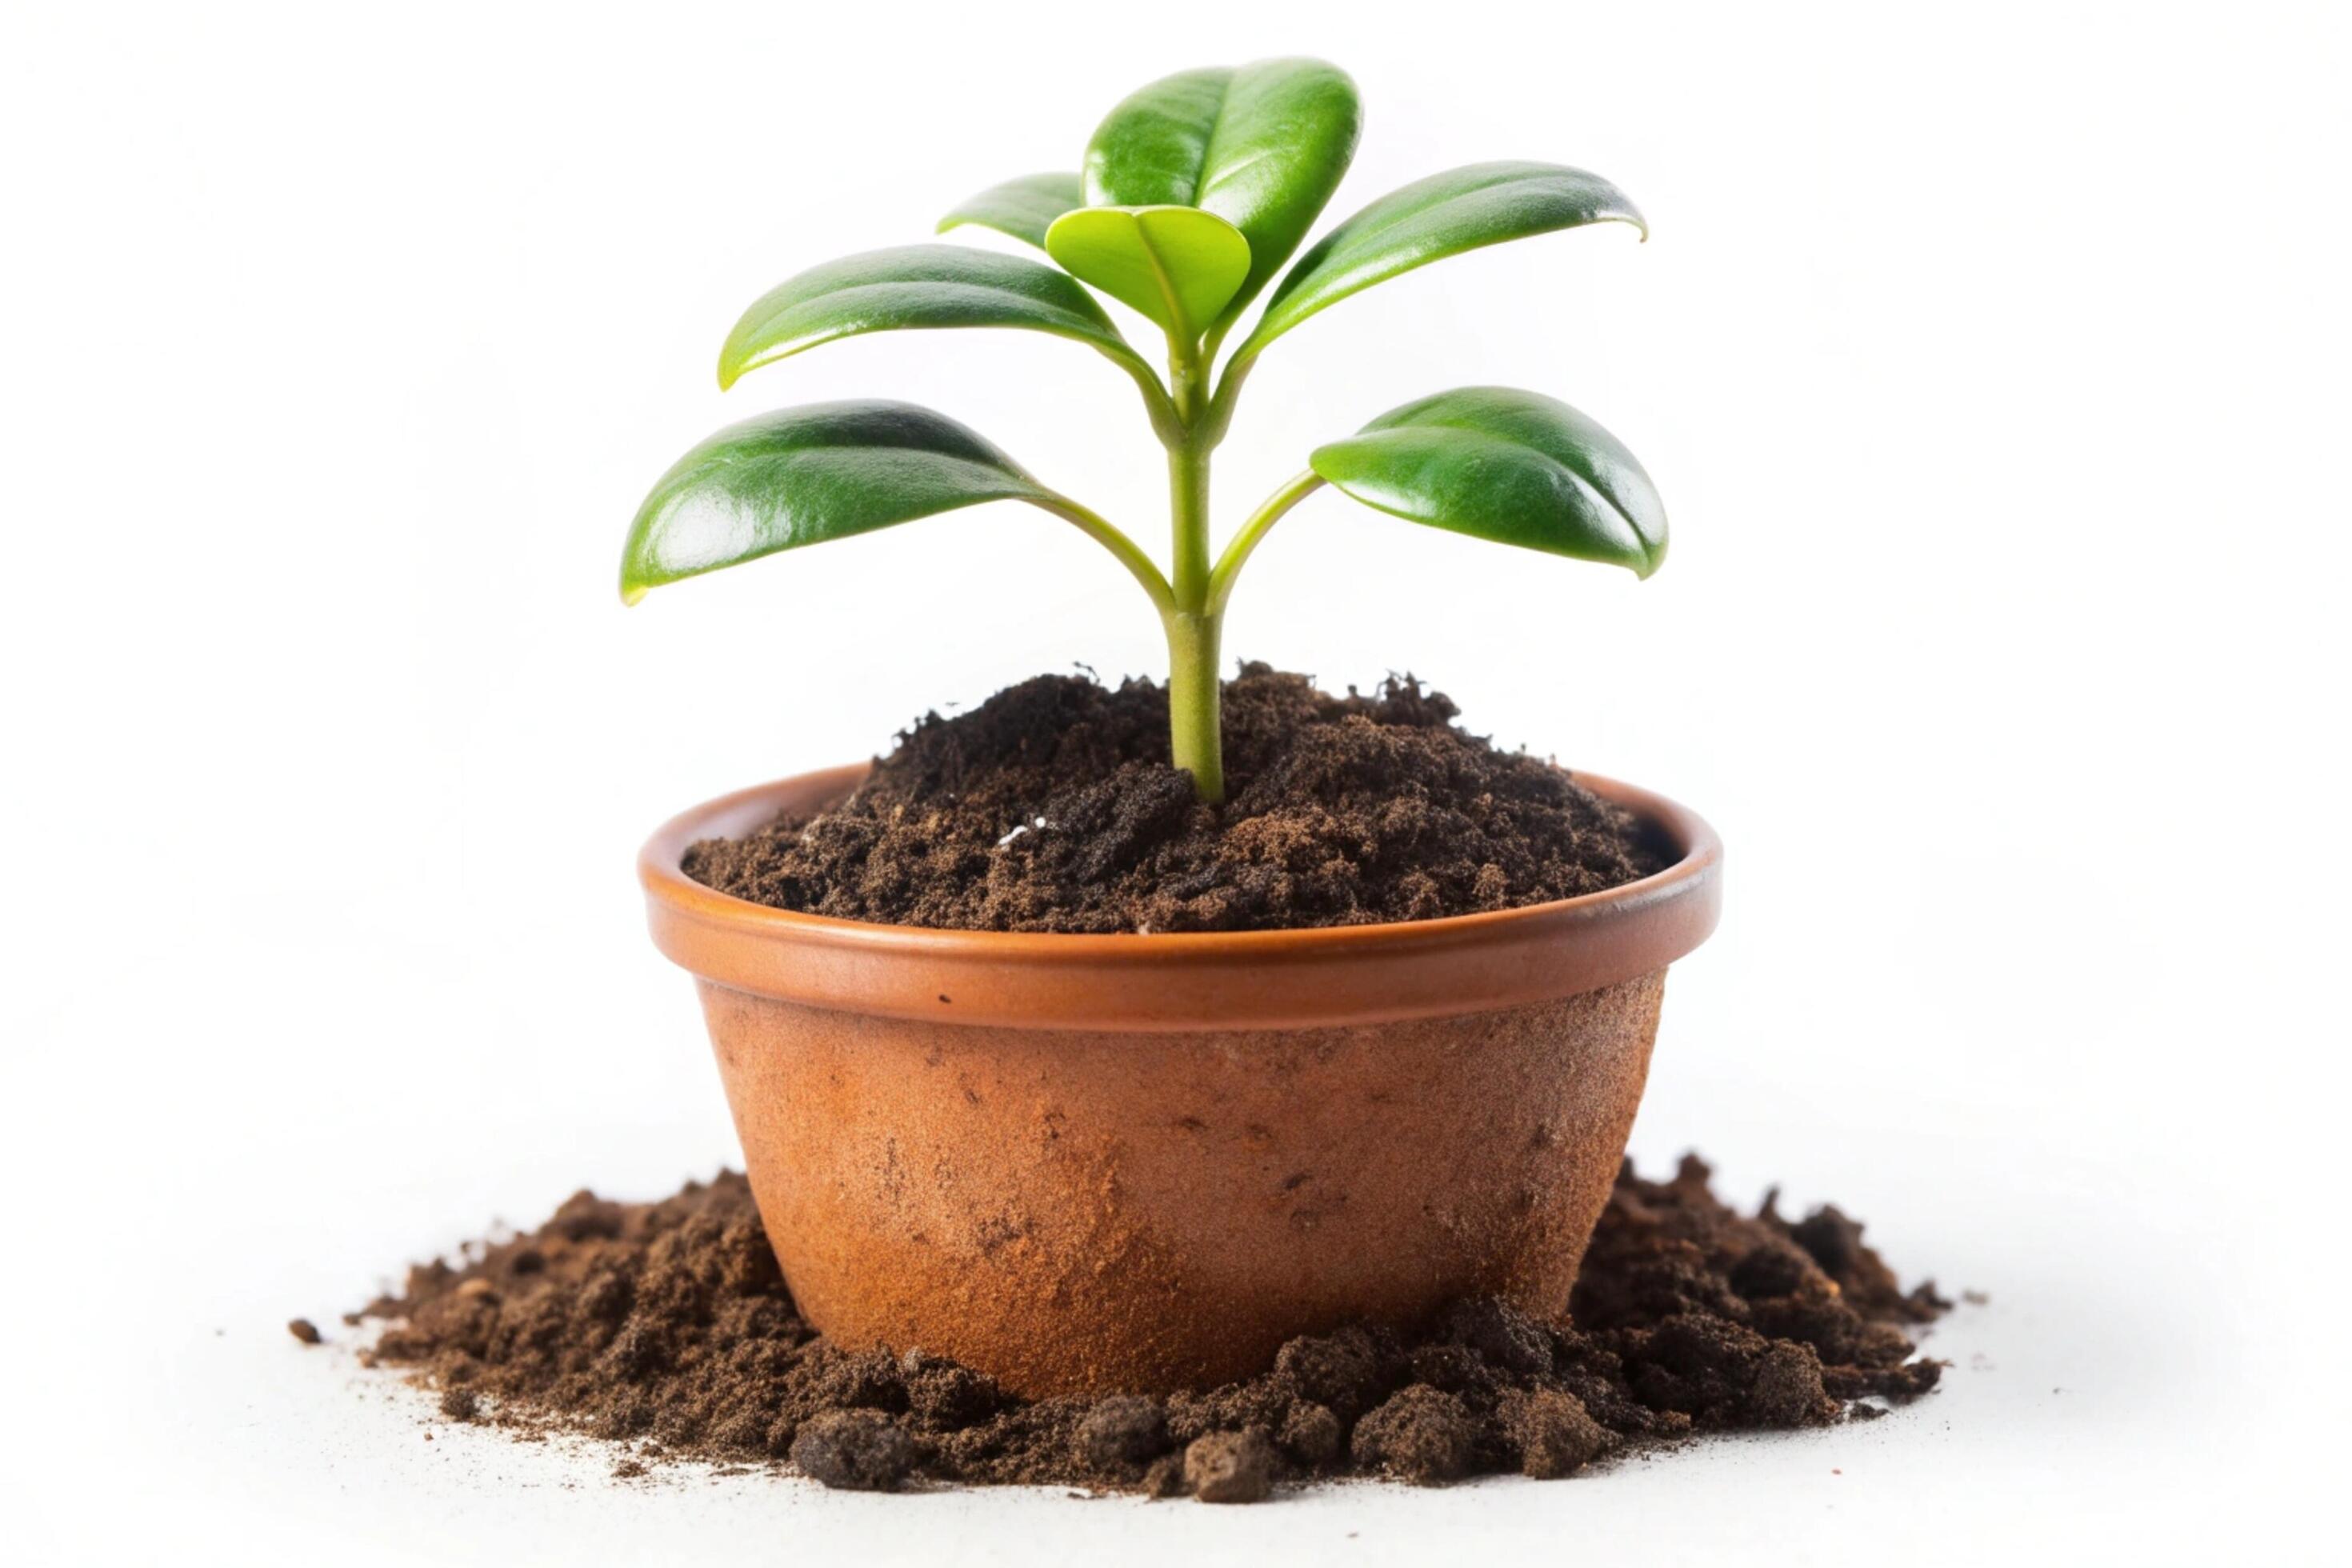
{"points": [[1187, 513], [1107, 534], [1192, 623], [1219, 413], [1192, 702], [1229, 566], [1165, 421], [1192, 627]]}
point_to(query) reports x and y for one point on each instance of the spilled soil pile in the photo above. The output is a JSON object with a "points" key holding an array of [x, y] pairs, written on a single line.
{"points": [[1053, 808], [666, 1326]]}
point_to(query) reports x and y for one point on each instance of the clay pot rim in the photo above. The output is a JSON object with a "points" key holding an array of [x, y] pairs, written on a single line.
{"points": [[1175, 980]]}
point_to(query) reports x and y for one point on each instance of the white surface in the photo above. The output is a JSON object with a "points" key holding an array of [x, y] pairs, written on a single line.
{"points": [[1991, 360], [329, 1456]]}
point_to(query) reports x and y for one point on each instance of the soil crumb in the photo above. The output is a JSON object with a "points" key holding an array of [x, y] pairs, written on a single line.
{"points": [[1053, 808], [303, 1329], [667, 1327]]}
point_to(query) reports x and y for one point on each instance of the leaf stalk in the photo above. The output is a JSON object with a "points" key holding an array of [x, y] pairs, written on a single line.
{"points": [[1229, 564], [1130, 555]]}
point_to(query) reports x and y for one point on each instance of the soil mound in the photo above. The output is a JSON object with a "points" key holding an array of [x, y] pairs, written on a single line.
{"points": [[1053, 808], [666, 1326]]}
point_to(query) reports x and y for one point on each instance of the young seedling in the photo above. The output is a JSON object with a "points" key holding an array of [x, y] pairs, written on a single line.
{"points": [[1195, 190]]}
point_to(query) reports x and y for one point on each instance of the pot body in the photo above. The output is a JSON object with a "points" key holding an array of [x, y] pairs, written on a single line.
{"points": [[1086, 1211], [1085, 1164]]}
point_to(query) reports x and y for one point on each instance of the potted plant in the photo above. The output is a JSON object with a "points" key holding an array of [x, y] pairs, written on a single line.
{"points": [[1081, 1163]]}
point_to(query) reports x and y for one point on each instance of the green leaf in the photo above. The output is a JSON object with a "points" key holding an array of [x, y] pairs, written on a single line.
{"points": [[1443, 215], [1261, 145], [802, 476], [1514, 466], [1179, 266], [917, 286], [1024, 208]]}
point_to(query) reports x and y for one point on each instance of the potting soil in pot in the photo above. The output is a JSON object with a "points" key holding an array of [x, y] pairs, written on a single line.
{"points": [[666, 1328], [1053, 808]]}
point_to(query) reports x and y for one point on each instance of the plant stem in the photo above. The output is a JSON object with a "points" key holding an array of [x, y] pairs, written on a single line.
{"points": [[1192, 625], [1192, 702], [1187, 513]]}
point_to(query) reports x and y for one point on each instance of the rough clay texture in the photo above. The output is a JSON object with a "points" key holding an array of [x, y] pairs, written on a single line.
{"points": [[666, 1328], [1053, 808], [1080, 1212]]}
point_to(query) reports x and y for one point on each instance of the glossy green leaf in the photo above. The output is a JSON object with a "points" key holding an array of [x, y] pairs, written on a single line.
{"points": [[1261, 145], [1024, 208], [1514, 466], [913, 286], [1179, 266], [1443, 215], [802, 476]]}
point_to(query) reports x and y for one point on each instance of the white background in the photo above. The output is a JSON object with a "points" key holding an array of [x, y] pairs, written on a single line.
{"points": [[1991, 358]]}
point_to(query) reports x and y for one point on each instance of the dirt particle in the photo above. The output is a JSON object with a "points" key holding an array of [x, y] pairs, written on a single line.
{"points": [[1420, 1434], [1120, 1433], [306, 1331], [1505, 1337], [1311, 1435], [853, 1450], [1164, 1477], [1230, 1466], [1551, 1432], [1342, 1370], [1788, 1390]]}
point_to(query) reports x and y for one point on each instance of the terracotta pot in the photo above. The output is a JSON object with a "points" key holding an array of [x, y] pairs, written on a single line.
{"points": [[1085, 1163]]}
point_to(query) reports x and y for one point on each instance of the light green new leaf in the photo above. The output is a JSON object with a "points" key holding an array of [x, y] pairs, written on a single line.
{"points": [[918, 286], [1179, 266], [802, 476], [1443, 215], [1261, 145], [1024, 208], [1514, 466]]}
